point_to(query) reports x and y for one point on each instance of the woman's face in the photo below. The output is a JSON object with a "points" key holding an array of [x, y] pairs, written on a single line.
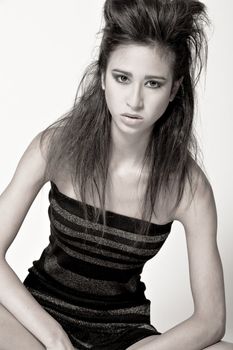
{"points": [[138, 83]]}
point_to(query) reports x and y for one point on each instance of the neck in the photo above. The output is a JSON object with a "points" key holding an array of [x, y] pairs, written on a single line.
{"points": [[128, 150]]}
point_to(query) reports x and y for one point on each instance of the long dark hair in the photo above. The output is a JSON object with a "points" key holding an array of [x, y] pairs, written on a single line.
{"points": [[81, 139]]}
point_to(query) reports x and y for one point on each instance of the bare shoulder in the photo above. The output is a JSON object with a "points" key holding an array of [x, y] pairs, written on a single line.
{"points": [[197, 203], [20, 193], [30, 171], [32, 164]]}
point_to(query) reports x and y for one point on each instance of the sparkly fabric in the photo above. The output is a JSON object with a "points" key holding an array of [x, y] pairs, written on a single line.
{"points": [[91, 283]]}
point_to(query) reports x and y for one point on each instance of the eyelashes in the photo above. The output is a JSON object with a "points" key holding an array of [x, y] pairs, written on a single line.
{"points": [[120, 78], [154, 84], [123, 79]]}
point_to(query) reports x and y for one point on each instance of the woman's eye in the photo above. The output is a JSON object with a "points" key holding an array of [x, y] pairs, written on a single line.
{"points": [[153, 84], [121, 78]]}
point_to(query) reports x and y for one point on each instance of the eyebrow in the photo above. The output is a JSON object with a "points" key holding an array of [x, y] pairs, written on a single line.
{"points": [[146, 76]]}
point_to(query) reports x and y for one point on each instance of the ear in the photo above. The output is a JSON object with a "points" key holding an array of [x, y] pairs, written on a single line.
{"points": [[175, 88], [103, 81]]}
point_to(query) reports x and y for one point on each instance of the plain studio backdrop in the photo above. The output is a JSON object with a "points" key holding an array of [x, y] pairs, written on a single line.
{"points": [[45, 47]]}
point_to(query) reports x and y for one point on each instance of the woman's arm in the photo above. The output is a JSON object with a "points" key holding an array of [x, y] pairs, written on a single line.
{"points": [[15, 202], [206, 326]]}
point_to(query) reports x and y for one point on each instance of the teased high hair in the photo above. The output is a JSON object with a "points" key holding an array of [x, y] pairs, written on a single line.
{"points": [[81, 140]]}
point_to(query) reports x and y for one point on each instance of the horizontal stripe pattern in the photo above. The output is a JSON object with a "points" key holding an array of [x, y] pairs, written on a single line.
{"points": [[88, 279]]}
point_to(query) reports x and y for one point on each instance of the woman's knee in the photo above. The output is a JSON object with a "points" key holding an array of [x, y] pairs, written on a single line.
{"points": [[13, 335]]}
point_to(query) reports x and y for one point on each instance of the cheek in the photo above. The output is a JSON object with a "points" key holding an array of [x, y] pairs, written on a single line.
{"points": [[113, 96], [110, 101], [158, 103]]}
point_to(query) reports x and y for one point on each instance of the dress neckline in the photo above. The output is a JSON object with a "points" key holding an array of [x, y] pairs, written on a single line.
{"points": [[108, 212]]}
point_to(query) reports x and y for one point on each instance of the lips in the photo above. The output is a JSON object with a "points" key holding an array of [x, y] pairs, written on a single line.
{"points": [[132, 116]]}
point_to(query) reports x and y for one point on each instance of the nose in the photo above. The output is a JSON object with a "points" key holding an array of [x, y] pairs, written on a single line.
{"points": [[135, 98]]}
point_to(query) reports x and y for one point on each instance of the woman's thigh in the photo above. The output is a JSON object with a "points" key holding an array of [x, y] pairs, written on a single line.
{"points": [[140, 343], [222, 345], [13, 335]]}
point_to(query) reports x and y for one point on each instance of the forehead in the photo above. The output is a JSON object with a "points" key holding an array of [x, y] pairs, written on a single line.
{"points": [[142, 60]]}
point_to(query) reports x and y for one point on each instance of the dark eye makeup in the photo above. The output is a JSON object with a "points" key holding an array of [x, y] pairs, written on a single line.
{"points": [[123, 79]]}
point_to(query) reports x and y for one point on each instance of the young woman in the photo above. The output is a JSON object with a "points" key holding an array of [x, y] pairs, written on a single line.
{"points": [[122, 166]]}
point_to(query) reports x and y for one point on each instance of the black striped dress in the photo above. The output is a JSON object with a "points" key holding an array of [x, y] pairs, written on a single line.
{"points": [[91, 284]]}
